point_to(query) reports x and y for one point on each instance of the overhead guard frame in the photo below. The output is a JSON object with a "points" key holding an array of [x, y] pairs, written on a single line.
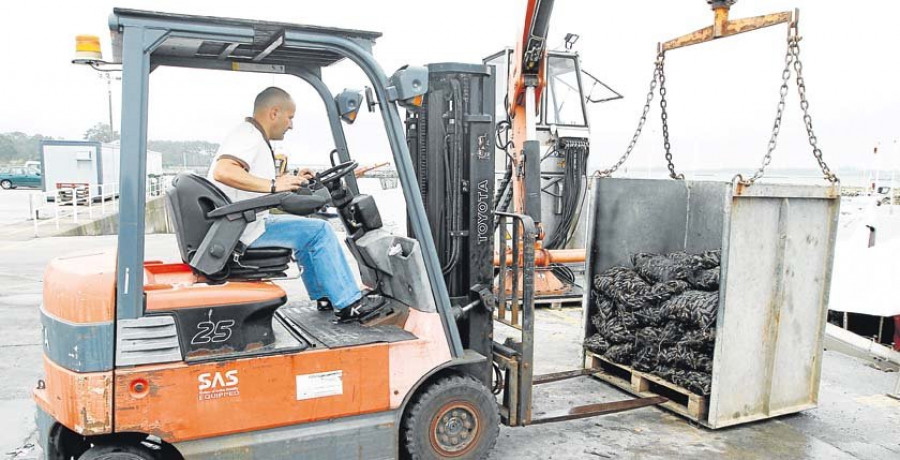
{"points": [[144, 40]]}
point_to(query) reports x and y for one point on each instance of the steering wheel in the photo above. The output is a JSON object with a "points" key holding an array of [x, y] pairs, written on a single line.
{"points": [[335, 173]]}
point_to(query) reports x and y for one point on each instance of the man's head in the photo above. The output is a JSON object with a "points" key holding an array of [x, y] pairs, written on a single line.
{"points": [[274, 110]]}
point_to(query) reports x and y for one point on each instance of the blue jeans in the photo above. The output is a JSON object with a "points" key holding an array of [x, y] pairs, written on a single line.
{"points": [[326, 272]]}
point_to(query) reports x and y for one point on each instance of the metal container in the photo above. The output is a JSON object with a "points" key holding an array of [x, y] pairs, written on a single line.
{"points": [[777, 244]]}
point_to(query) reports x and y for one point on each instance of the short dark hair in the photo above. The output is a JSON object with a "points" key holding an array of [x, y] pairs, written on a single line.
{"points": [[269, 97]]}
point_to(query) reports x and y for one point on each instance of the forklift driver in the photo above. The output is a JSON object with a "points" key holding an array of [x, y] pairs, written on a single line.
{"points": [[244, 167]]}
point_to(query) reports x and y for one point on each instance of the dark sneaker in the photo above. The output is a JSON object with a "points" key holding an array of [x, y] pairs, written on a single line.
{"points": [[324, 304], [362, 307]]}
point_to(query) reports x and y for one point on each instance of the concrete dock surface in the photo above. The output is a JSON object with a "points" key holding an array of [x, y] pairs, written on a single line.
{"points": [[855, 419]]}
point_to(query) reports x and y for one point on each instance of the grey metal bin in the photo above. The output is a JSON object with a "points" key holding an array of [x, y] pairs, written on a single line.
{"points": [[777, 245]]}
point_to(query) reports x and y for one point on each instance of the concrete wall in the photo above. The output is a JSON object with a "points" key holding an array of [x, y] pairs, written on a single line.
{"points": [[156, 222]]}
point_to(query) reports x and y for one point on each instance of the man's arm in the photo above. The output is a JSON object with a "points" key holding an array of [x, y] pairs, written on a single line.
{"points": [[232, 174]]}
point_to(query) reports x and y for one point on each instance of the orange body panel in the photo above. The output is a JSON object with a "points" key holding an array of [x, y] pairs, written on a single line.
{"points": [[81, 288], [166, 297], [92, 280], [156, 272], [412, 359], [82, 402], [180, 402], [174, 286]]}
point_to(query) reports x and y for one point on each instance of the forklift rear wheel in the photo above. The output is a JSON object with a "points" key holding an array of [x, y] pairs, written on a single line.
{"points": [[6, 184], [456, 417], [117, 452]]}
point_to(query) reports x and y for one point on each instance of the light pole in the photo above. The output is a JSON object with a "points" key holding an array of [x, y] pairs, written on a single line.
{"points": [[107, 75], [892, 201]]}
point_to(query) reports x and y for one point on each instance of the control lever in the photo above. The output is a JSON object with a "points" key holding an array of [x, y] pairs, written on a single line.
{"points": [[317, 189]]}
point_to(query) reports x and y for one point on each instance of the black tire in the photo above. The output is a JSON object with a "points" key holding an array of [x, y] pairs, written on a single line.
{"points": [[455, 418], [118, 452], [6, 185]]}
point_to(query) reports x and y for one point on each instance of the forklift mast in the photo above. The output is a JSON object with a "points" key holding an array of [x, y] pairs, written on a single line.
{"points": [[450, 139]]}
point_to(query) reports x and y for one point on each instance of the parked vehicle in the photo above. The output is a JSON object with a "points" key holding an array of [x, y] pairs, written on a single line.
{"points": [[19, 176]]}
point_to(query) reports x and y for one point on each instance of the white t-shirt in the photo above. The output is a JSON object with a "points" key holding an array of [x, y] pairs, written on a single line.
{"points": [[247, 145]]}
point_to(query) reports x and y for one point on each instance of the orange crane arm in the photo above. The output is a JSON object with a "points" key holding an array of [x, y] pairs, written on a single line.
{"points": [[526, 82], [528, 68]]}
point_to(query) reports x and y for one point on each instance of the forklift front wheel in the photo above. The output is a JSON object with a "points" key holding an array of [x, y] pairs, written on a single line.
{"points": [[117, 452], [456, 417]]}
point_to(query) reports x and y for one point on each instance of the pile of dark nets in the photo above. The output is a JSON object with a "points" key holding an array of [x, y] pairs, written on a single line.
{"points": [[659, 316]]}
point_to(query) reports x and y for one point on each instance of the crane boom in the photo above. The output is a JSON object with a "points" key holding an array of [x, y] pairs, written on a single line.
{"points": [[526, 83], [534, 36], [530, 53]]}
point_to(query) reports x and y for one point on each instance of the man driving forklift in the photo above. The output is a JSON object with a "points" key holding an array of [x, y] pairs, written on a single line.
{"points": [[245, 167]]}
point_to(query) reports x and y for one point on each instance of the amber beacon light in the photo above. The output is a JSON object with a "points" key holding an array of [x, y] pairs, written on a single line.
{"points": [[87, 49]]}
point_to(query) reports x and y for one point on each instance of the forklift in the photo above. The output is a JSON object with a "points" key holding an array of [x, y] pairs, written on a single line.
{"points": [[207, 358]]}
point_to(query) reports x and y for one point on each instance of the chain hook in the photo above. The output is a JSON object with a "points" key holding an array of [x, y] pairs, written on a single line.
{"points": [[795, 22]]}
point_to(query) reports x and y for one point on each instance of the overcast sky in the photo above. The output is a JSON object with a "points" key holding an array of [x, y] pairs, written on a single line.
{"points": [[722, 96]]}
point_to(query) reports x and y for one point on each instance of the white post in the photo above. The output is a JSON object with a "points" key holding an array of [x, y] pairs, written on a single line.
{"points": [[102, 200], [75, 205], [893, 199], [877, 171], [34, 213], [894, 165], [56, 201]]}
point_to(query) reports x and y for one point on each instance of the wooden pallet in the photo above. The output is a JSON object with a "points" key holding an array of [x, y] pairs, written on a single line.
{"points": [[558, 303], [681, 401]]}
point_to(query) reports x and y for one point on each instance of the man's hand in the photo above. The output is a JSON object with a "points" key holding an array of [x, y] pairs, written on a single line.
{"points": [[289, 183], [307, 173]]}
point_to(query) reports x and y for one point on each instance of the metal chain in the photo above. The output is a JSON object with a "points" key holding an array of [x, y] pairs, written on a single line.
{"points": [[776, 127], [792, 58], [794, 44], [660, 63], [637, 132]]}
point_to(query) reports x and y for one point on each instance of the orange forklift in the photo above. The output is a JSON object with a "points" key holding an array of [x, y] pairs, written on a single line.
{"points": [[207, 358]]}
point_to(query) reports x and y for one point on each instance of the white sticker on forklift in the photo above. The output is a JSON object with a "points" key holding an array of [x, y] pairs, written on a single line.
{"points": [[311, 386]]}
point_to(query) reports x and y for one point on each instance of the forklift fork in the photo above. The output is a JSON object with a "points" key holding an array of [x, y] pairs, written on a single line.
{"points": [[515, 308]]}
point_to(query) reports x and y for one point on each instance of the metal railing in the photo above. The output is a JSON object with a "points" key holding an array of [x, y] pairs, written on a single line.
{"points": [[107, 191], [41, 201], [69, 204], [515, 308]]}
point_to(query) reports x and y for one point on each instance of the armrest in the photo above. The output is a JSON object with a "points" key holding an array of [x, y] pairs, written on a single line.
{"points": [[235, 210], [300, 204]]}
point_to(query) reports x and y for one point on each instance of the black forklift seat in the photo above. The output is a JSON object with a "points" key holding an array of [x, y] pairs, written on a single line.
{"points": [[208, 227]]}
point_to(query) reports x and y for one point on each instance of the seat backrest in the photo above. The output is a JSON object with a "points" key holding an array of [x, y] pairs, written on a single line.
{"points": [[189, 200]]}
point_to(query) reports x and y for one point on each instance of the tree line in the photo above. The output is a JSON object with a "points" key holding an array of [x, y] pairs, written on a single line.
{"points": [[18, 147]]}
